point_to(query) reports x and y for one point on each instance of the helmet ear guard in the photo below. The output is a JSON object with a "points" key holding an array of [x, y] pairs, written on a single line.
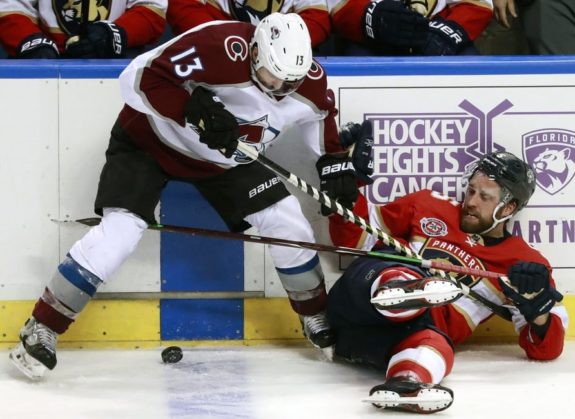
{"points": [[283, 48]]}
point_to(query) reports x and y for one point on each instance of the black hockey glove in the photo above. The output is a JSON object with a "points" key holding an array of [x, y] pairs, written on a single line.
{"points": [[101, 40], [337, 180], [445, 37], [37, 46], [359, 138], [218, 128], [392, 22], [529, 278]]}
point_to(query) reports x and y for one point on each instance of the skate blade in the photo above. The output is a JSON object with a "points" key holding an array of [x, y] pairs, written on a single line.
{"points": [[328, 352], [27, 365], [426, 401], [434, 294]]}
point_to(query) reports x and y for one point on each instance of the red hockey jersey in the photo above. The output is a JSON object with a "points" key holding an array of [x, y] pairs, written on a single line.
{"points": [[143, 20], [187, 14], [156, 86], [429, 223]]}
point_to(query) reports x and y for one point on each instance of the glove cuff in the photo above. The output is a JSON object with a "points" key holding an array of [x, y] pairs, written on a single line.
{"points": [[117, 38]]}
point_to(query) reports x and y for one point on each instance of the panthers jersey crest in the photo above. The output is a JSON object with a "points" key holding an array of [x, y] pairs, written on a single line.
{"points": [[253, 11], [423, 7], [69, 13]]}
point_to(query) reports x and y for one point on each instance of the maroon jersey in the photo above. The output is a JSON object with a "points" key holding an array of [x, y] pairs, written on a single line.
{"points": [[215, 55]]}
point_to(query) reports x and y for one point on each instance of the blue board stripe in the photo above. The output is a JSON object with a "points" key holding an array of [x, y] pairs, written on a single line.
{"points": [[334, 66]]}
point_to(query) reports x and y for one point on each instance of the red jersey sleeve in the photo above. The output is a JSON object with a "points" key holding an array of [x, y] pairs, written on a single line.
{"points": [[548, 348], [187, 14], [14, 27], [143, 25], [473, 17], [318, 24], [347, 19]]}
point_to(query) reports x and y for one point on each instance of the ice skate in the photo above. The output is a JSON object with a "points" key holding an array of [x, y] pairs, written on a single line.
{"points": [[37, 350], [317, 330], [404, 394], [416, 293]]}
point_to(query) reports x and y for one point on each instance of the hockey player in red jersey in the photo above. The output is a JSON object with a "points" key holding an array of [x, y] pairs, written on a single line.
{"points": [[412, 338], [58, 28], [187, 14], [187, 104], [409, 27]]}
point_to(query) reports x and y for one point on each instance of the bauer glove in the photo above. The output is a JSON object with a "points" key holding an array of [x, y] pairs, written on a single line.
{"points": [[392, 22], [359, 140], [37, 46], [101, 40], [218, 128], [337, 180], [530, 289], [445, 37]]}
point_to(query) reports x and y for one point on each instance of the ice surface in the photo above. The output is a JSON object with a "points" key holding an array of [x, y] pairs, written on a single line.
{"points": [[275, 382]]}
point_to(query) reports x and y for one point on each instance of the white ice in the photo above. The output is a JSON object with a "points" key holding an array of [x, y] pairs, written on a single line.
{"points": [[275, 382]]}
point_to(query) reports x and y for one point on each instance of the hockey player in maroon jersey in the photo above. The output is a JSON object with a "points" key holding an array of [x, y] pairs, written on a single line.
{"points": [[187, 14], [187, 104], [409, 27], [57, 28], [412, 338]]}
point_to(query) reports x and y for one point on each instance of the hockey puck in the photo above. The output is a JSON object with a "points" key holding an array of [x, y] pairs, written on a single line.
{"points": [[172, 354]]}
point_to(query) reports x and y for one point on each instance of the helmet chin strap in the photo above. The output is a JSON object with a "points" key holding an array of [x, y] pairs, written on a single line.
{"points": [[496, 221]]}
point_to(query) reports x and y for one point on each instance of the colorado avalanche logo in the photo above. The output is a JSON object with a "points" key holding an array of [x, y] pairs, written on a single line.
{"points": [[551, 153], [69, 13], [433, 227], [236, 48], [315, 71], [254, 133]]}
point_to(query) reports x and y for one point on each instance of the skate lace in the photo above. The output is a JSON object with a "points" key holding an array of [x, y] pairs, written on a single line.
{"points": [[316, 323], [45, 336]]}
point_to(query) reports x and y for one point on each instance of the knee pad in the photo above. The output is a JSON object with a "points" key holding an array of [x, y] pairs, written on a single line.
{"points": [[106, 246]]}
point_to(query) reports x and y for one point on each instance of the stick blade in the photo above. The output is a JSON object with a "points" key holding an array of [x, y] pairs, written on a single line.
{"points": [[90, 222]]}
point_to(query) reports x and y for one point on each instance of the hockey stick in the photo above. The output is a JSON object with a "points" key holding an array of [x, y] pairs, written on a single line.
{"points": [[324, 199], [348, 251], [85, 17]]}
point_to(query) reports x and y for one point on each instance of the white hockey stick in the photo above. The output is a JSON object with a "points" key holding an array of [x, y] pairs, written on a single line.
{"points": [[324, 199]]}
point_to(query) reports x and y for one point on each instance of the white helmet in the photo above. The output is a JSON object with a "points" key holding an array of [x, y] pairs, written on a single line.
{"points": [[284, 49]]}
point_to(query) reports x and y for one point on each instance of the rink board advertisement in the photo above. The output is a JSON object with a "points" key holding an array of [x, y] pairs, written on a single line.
{"points": [[432, 118]]}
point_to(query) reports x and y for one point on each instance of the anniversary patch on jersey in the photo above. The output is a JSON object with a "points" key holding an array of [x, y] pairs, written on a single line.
{"points": [[69, 13], [253, 11], [438, 249], [236, 48], [433, 227]]}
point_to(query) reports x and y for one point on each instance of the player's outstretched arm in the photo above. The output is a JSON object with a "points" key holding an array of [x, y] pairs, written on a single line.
{"points": [[532, 292]]}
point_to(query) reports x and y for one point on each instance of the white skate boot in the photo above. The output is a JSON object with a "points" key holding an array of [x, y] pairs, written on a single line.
{"points": [[37, 350], [416, 293], [404, 394]]}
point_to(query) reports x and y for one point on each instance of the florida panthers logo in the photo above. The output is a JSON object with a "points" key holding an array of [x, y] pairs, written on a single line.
{"points": [[551, 153], [69, 13], [433, 227], [253, 11]]}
